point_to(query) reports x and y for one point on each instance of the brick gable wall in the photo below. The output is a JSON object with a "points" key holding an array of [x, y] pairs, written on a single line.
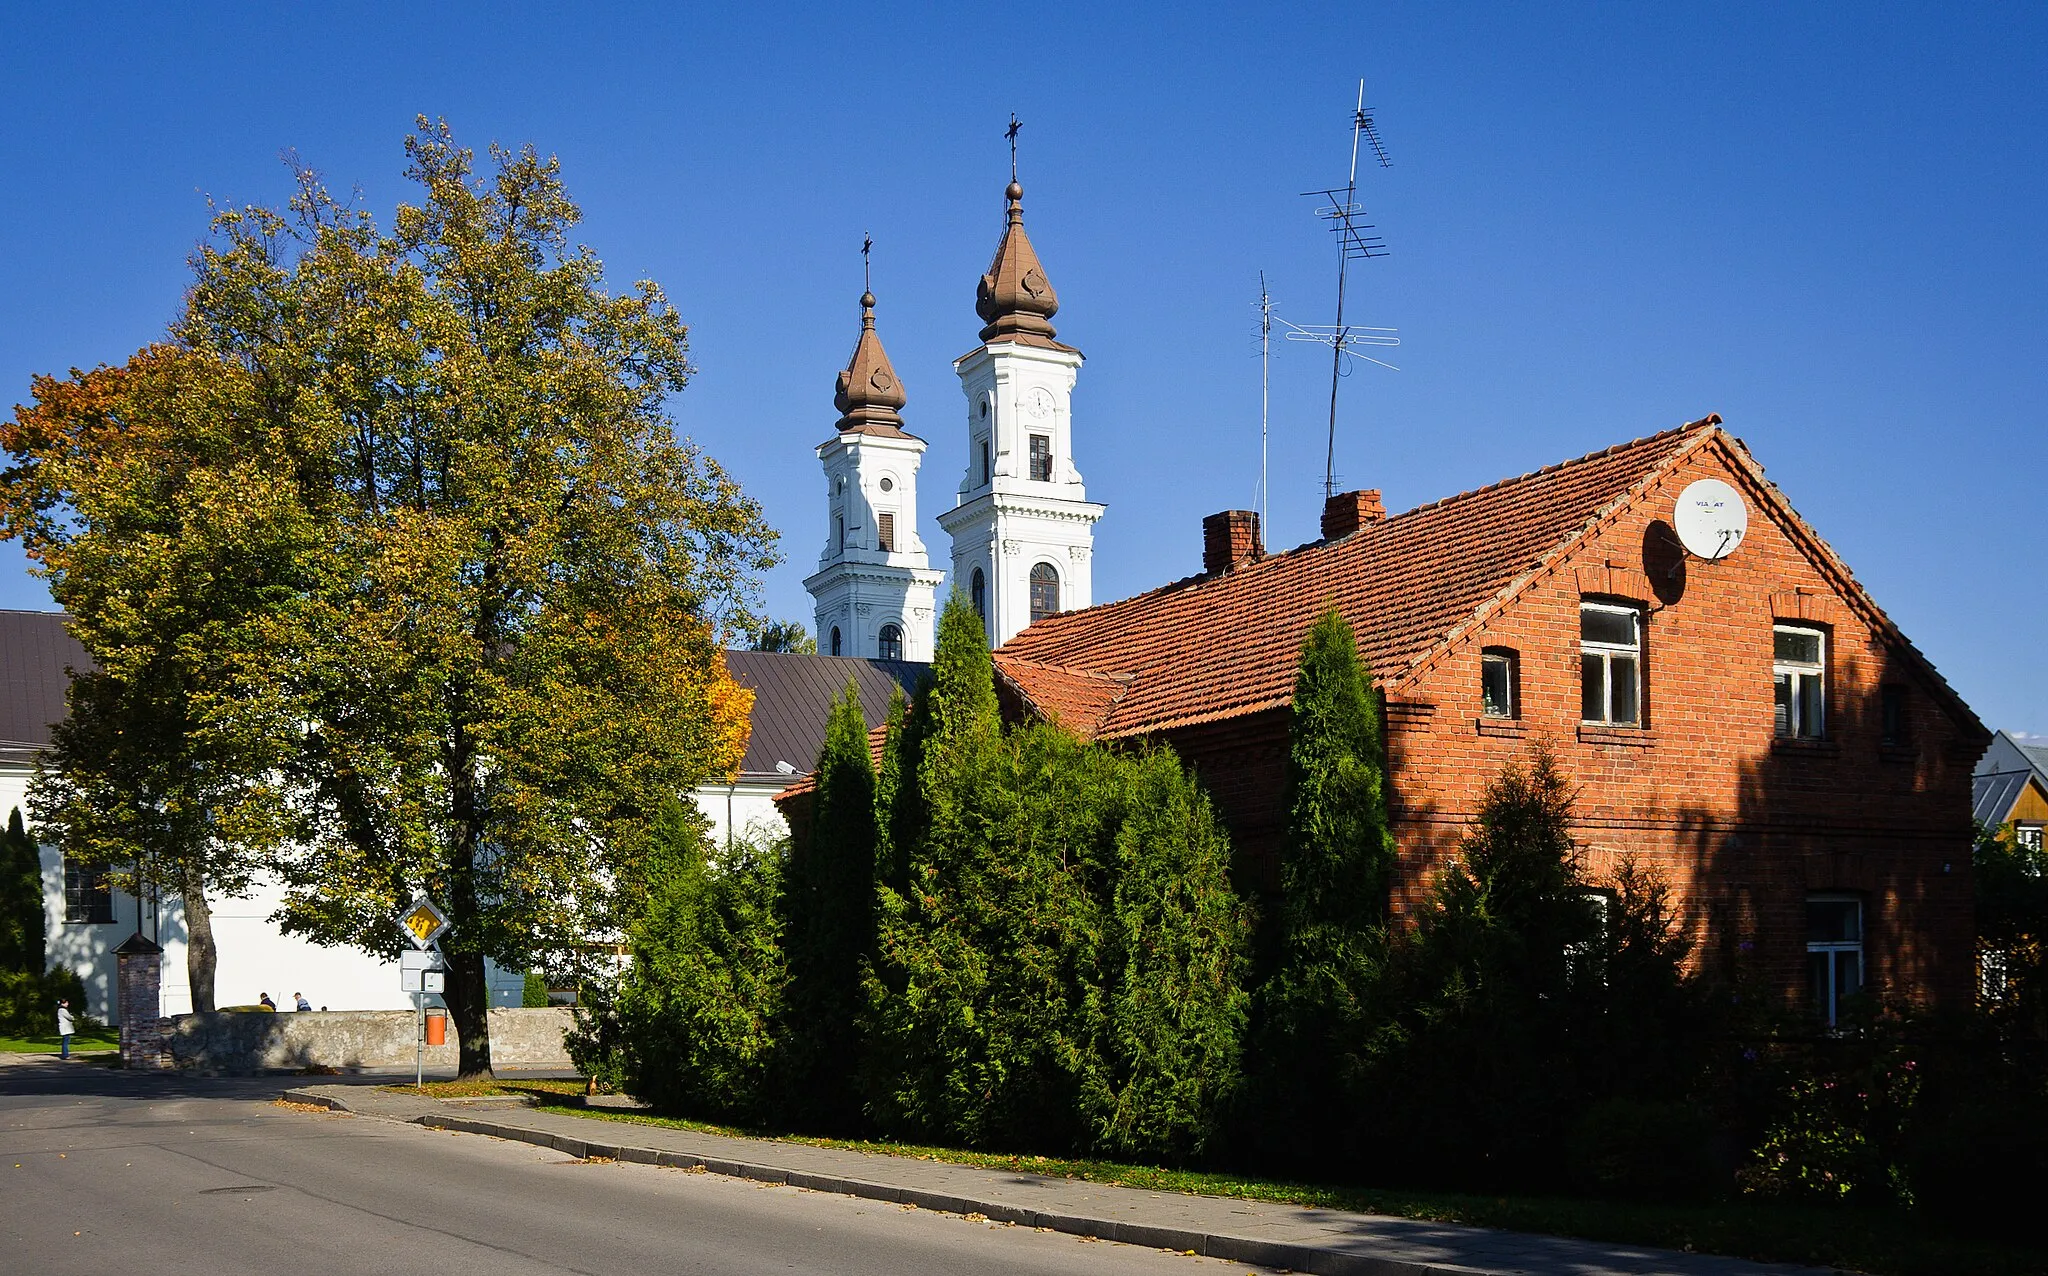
{"points": [[1740, 825]]}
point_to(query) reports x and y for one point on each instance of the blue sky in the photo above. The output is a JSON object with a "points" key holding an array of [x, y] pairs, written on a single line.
{"points": [[1824, 223]]}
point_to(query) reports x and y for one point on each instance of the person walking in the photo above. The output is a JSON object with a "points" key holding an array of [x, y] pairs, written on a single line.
{"points": [[300, 1002], [64, 1028]]}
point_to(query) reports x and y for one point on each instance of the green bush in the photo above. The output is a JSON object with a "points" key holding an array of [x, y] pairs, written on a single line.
{"points": [[1059, 959], [1644, 1149], [688, 1028], [534, 995], [28, 1002]]}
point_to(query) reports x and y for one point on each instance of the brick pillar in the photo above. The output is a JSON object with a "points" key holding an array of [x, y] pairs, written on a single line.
{"points": [[139, 981]]}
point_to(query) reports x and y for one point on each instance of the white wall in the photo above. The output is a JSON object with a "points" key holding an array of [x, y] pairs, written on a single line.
{"points": [[744, 810]]}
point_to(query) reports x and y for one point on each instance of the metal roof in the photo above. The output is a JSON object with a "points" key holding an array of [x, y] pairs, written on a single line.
{"points": [[37, 655], [1992, 796], [793, 697]]}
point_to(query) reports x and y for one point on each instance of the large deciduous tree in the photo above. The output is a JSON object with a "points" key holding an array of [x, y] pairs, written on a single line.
{"points": [[495, 656], [163, 507]]}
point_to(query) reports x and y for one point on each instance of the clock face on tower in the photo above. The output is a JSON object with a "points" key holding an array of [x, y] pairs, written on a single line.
{"points": [[1038, 404]]}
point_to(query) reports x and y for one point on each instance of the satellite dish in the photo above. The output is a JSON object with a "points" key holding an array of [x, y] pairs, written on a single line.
{"points": [[1711, 519]]}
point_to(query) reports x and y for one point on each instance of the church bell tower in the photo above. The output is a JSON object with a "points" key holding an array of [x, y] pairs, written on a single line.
{"points": [[874, 585], [1023, 529]]}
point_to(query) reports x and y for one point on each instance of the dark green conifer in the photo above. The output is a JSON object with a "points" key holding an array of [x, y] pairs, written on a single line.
{"points": [[1325, 947], [829, 931], [23, 937]]}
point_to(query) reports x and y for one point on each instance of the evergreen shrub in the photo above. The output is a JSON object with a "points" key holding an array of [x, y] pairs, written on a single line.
{"points": [[689, 1027], [1060, 959]]}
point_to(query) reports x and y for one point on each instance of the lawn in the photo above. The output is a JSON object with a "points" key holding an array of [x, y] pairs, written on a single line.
{"points": [[1888, 1244], [87, 1040]]}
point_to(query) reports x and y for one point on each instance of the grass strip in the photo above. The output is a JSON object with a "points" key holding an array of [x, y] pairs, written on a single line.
{"points": [[1886, 1244], [84, 1041]]}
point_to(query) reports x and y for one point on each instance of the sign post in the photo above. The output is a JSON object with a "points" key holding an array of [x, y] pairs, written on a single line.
{"points": [[421, 971]]}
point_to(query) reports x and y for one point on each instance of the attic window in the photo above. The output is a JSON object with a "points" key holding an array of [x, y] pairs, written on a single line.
{"points": [[1499, 679], [885, 526], [1799, 682], [1610, 664], [1894, 725]]}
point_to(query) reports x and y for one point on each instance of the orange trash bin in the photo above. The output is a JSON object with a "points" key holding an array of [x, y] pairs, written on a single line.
{"points": [[437, 1028]]}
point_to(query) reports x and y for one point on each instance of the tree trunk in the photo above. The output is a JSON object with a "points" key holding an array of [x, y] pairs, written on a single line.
{"points": [[469, 1001], [200, 956]]}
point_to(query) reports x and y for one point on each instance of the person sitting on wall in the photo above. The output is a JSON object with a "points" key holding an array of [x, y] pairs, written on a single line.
{"points": [[300, 1002], [263, 1000]]}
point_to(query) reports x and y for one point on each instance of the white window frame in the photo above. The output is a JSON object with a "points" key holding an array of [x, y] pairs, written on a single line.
{"points": [[2028, 837], [1831, 996], [1509, 659], [1605, 652], [1797, 672]]}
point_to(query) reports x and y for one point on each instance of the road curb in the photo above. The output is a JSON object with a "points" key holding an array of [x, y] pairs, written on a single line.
{"points": [[1236, 1249]]}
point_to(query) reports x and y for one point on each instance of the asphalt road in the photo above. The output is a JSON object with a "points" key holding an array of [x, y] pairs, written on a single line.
{"points": [[108, 1172]]}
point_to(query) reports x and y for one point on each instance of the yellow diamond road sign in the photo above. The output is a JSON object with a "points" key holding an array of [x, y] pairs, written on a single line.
{"points": [[423, 923]]}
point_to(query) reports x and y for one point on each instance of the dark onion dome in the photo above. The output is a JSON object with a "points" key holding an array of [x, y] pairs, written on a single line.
{"points": [[868, 393], [1014, 298]]}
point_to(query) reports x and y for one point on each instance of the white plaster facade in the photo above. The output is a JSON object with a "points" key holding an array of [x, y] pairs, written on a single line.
{"points": [[252, 956], [860, 588], [1007, 522]]}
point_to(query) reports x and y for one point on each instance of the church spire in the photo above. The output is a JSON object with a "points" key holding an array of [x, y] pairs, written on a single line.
{"points": [[868, 393], [1014, 298]]}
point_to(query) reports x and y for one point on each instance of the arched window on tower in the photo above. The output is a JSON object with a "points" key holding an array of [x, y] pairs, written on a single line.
{"points": [[892, 643], [835, 641], [977, 593], [1045, 592]]}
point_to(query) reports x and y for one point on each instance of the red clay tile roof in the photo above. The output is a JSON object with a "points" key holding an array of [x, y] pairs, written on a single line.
{"points": [[1220, 645], [1076, 698]]}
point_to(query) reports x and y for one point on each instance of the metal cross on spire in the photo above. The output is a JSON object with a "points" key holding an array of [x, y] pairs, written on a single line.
{"points": [[867, 243], [1011, 133]]}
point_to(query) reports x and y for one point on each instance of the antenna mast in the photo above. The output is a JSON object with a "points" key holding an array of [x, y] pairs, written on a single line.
{"points": [[1354, 240], [1265, 383]]}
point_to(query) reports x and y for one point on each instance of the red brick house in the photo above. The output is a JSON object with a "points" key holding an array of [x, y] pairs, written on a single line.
{"points": [[1754, 727]]}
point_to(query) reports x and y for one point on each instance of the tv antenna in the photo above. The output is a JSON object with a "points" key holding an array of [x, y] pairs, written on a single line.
{"points": [[1265, 383], [1355, 242]]}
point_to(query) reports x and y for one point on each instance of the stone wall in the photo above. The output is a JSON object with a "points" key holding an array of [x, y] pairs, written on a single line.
{"points": [[247, 1041]]}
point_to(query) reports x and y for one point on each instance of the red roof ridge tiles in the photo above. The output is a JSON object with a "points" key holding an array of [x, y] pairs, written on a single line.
{"points": [[1221, 645], [1710, 419]]}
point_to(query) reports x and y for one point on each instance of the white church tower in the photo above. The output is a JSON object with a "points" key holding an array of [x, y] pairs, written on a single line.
{"points": [[1024, 530], [874, 586]]}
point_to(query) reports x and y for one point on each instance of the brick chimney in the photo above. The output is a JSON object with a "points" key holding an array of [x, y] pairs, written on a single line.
{"points": [[1230, 540], [1346, 512]]}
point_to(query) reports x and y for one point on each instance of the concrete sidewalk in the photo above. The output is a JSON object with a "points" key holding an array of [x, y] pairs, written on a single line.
{"points": [[1326, 1242]]}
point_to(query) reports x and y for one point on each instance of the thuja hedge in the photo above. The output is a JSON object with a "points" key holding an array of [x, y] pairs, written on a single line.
{"points": [[1006, 939]]}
